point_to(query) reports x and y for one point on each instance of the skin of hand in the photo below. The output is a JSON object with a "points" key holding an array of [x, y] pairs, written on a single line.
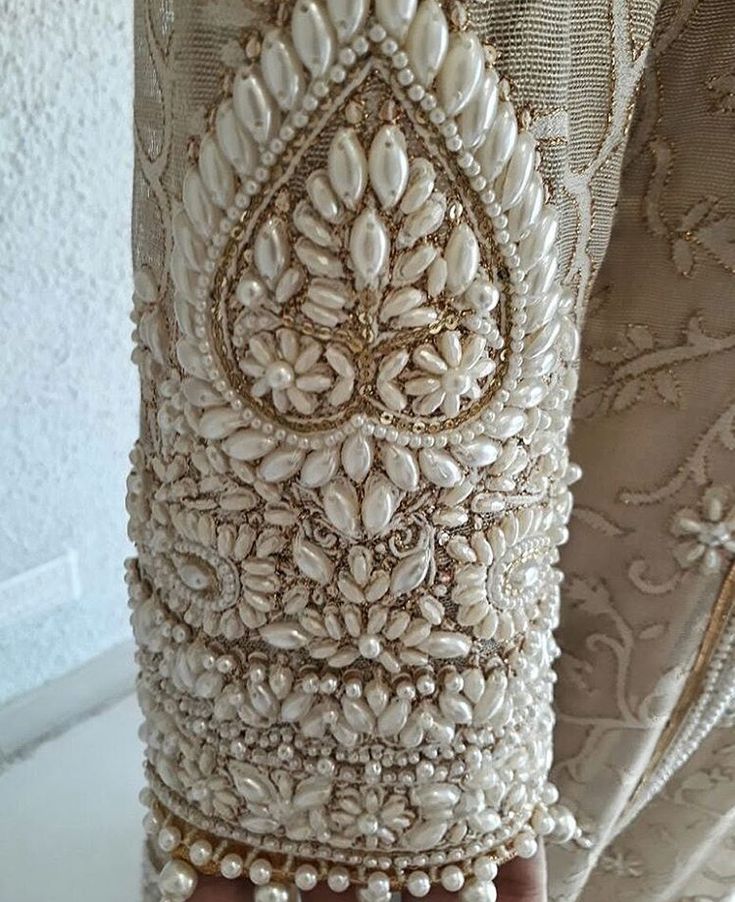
{"points": [[521, 880]]}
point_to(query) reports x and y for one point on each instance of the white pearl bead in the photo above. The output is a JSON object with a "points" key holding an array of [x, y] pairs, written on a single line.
{"points": [[566, 826], [452, 878], [542, 822], [169, 838], [338, 880], [379, 884], [525, 845], [260, 872], [478, 891], [306, 877], [418, 883], [485, 868], [151, 823], [200, 852], [178, 879], [231, 866], [271, 892]]}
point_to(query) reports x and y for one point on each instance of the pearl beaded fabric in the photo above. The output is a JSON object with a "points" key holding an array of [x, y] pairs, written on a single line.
{"points": [[348, 514]]}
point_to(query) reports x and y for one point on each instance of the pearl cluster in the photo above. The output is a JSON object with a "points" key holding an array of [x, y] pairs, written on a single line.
{"points": [[179, 878], [404, 702]]}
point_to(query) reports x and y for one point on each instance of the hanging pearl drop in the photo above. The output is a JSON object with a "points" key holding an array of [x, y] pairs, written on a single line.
{"points": [[178, 879]]}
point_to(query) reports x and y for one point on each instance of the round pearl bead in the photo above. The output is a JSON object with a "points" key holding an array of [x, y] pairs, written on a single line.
{"points": [[525, 845], [178, 879], [418, 884], [566, 826], [260, 872], [271, 892], [478, 891], [306, 877], [452, 878], [485, 868], [169, 838], [200, 852], [543, 823], [338, 880], [231, 866], [379, 884]]}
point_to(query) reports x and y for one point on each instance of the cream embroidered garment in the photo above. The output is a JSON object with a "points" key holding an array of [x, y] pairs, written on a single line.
{"points": [[366, 235]]}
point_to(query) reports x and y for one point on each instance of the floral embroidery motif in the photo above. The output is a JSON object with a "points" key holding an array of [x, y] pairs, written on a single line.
{"points": [[346, 571], [709, 535]]}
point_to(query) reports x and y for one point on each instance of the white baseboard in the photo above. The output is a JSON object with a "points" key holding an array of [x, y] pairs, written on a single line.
{"points": [[52, 708], [39, 590]]}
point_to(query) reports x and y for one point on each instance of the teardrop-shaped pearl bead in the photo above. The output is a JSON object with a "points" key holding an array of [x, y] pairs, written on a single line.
{"points": [[281, 69], [255, 107], [369, 246], [460, 75], [526, 213], [518, 171], [271, 251], [388, 165], [395, 16], [463, 258], [498, 146], [237, 145], [427, 42], [217, 175], [348, 16], [201, 210], [313, 37], [347, 167], [540, 240], [476, 119]]}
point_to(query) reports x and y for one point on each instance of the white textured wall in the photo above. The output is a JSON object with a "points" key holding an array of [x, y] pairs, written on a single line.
{"points": [[68, 393]]}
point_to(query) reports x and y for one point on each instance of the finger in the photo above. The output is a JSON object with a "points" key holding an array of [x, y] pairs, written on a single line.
{"points": [[219, 889], [523, 879]]}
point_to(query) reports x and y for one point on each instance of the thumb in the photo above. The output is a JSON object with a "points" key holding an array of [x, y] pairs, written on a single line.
{"points": [[523, 879]]}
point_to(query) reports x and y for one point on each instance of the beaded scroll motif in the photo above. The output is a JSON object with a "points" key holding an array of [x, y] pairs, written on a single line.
{"points": [[345, 592]]}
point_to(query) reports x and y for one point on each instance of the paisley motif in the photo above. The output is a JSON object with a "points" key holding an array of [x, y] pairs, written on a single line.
{"points": [[349, 574]]}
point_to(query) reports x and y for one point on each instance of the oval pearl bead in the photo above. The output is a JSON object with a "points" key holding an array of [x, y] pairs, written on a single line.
{"points": [[427, 42], [313, 37], [347, 167], [348, 16], [395, 16], [281, 70], [254, 107], [388, 165], [178, 879], [369, 246], [460, 75], [476, 119]]}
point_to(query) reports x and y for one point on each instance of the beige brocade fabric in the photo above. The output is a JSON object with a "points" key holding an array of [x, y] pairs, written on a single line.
{"points": [[655, 415]]}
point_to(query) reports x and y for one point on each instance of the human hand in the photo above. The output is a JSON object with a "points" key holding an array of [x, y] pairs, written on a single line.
{"points": [[520, 880]]}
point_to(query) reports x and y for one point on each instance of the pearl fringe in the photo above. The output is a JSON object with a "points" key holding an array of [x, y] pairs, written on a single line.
{"points": [[281, 879]]}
